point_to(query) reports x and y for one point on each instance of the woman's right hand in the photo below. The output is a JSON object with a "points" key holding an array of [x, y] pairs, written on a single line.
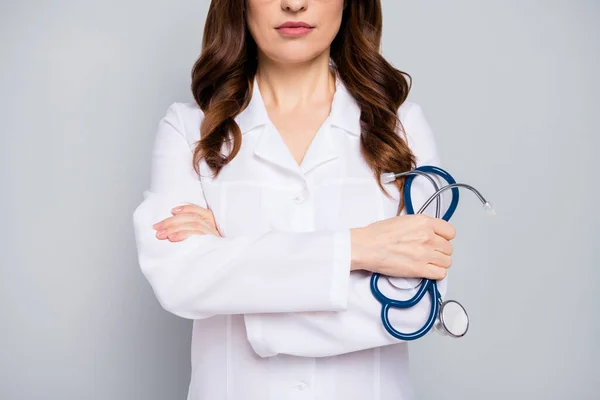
{"points": [[409, 246]]}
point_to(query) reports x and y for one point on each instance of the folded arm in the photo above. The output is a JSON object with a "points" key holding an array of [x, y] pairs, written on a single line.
{"points": [[206, 275]]}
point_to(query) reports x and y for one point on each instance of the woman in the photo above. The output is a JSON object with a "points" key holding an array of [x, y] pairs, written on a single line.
{"points": [[281, 215]]}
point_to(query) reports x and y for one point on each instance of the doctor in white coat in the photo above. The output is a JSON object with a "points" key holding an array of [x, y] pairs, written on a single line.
{"points": [[265, 215]]}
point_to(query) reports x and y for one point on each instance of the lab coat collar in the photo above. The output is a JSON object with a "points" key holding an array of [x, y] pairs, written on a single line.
{"points": [[345, 112], [255, 114]]}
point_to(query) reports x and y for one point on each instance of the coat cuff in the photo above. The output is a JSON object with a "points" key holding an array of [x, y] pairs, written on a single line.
{"points": [[340, 273]]}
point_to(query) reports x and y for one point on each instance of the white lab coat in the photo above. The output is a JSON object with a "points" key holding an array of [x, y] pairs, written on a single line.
{"points": [[277, 313]]}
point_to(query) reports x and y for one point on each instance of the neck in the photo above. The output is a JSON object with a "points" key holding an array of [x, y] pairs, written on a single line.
{"points": [[290, 86]]}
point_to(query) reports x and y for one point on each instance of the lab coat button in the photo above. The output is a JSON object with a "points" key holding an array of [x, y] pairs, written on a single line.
{"points": [[299, 198], [301, 386]]}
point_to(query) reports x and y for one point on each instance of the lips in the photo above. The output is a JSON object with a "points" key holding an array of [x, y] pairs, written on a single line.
{"points": [[294, 28], [294, 24]]}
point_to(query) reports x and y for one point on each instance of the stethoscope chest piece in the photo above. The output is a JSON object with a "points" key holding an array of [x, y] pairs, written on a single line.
{"points": [[452, 319]]}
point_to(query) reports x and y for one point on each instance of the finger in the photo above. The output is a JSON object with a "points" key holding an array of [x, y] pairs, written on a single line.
{"points": [[443, 228], [182, 235], [179, 235], [442, 245], [440, 259], [176, 220], [205, 213], [192, 208], [210, 221], [196, 224], [434, 272]]}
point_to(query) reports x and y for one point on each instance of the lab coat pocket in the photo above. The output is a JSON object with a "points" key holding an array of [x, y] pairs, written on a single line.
{"points": [[242, 209], [355, 202]]}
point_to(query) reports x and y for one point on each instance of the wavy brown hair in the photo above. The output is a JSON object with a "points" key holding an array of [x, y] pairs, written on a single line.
{"points": [[223, 75]]}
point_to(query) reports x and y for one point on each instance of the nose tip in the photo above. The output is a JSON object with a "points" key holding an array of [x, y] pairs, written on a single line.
{"points": [[293, 5], [294, 9]]}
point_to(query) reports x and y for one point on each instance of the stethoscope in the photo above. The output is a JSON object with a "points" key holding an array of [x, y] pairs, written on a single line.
{"points": [[448, 317]]}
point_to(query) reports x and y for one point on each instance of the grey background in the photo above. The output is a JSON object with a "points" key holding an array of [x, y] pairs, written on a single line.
{"points": [[509, 87]]}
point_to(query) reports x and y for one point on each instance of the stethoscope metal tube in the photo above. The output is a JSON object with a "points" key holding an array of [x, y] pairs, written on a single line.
{"points": [[386, 179], [486, 204], [438, 307]]}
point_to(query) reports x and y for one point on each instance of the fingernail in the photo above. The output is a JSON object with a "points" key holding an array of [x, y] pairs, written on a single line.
{"points": [[161, 233], [157, 225], [177, 209]]}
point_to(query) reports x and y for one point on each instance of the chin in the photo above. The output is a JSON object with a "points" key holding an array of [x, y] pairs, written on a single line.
{"points": [[294, 55]]}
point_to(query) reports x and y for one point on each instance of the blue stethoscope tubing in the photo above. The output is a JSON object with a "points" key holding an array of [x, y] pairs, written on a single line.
{"points": [[427, 285]]}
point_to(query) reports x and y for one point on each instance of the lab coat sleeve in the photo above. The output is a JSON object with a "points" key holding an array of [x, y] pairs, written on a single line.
{"points": [[206, 275], [359, 326]]}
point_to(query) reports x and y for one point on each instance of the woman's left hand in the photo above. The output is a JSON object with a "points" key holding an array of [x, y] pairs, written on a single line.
{"points": [[189, 219]]}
